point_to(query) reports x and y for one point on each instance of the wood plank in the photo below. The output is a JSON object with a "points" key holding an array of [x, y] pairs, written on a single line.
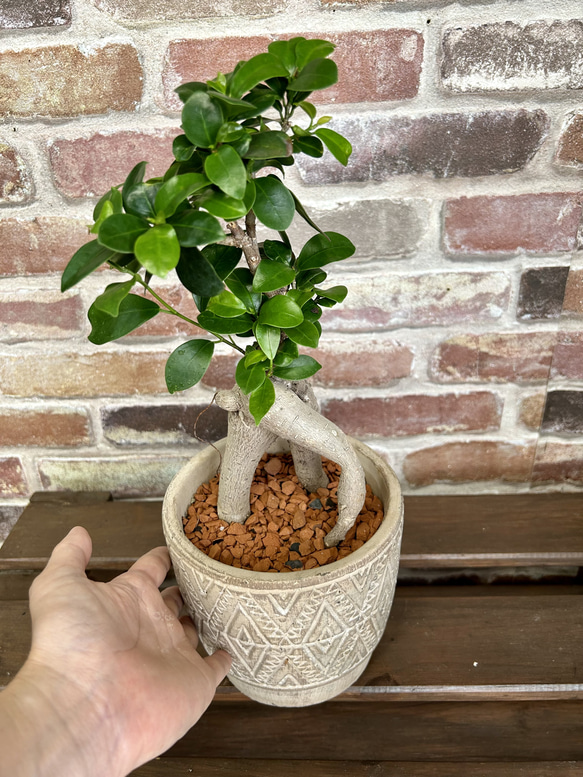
{"points": [[72, 497], [454, 649], [225, 767]]}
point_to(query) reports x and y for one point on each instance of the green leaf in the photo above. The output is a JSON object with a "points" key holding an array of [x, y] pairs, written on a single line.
{"points": [[288, 351], [158, 249], [230, 131], [202, 119], [271, 275], [221, 205], [240, 282], [196, 228], [338, 145], [284, 50], [255, 70], [303, 213], [308, 145], [309, 109], [223, 258], [274, 205], [185, 91], [307, 278], [233, 106], [225, 326], [250, 194], [271, 144], [176, 189], [268, 338], [299, 369], [254, 356], [86, 259], [280, 311], [312, 311], [317, 74], [113, 196], [226, 305], [304, 334], [226, 170], [248, 377], [110, 300], [140, 198], [133, 312], [261, 400], [336, 293], [278, 251], [135, 176], [182, 148], [120, 232], [324, 249], [197, 274], [307, 50], [105, 212], [187, 364], [300, 296]]}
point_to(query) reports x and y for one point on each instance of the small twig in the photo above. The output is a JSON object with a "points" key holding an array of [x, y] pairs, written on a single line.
{"points": [[207, 442], [247, 244]]}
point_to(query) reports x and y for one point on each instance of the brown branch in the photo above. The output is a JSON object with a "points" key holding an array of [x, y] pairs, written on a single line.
{"points": [[247, 243]]}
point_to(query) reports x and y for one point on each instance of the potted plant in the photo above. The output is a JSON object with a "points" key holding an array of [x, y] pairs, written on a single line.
{"points": [[297, 638]]}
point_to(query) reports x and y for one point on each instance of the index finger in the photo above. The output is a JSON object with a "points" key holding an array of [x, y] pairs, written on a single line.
{"points": [[155, 564]]}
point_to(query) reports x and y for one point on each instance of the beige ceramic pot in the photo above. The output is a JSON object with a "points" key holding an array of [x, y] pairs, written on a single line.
{"points": [[295, 639]]}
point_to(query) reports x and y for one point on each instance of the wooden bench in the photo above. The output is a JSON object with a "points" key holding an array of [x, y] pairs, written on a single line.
{"points": [[479, 673]]}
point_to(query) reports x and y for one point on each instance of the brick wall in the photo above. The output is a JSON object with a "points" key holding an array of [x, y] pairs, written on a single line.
{"points": [[459, 351]]}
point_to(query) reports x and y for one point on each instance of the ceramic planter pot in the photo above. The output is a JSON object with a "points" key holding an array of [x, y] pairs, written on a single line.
{"points": [[300, 638]]}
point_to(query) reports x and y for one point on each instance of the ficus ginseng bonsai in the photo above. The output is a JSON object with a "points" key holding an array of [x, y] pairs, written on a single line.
{"points": [[234, 127]]}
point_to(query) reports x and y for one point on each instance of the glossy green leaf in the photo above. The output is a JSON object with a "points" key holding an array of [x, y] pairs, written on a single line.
{"points": [[233, 106], [221, 205], [158, 249], [304, 334], [120, 232], [196, 228], [268, 338], [284, 50], [112, 297], [240, 282], [182, 148], [187, 364], [176, 189], [288, 351], [136, 175], [133, 312], [224, 259], [140, 199], [225, 169], [113, 196], [272, 275], [300, 296], [308, 278], [105, 212], [225, 326], [309, 109], [274, 205], [323, 249], [86, 259], [250, 194], [308, 145], [231, 131], [317, 74], [312, 311], [226, 305], [338, 145], [254, 356], [202, 119], [299, 369], [307, 50], [185, 91], [249, 377], [304, 214], [336, 293], [261, 400], [280, 311], [271, 144], [197, 274], [255, 70], [278, 251]]}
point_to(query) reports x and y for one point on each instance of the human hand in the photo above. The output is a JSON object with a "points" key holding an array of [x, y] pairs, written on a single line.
{"points": [[117, 653]]}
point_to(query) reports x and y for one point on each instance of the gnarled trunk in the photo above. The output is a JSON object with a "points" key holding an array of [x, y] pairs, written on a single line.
{"points": [[294, 417]]}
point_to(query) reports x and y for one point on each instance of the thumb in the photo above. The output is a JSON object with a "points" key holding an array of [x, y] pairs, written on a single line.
{"points": [[74, 551]]}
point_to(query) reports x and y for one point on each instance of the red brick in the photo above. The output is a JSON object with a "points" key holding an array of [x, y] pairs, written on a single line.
{"points": [[40, 245], [573, 302], [372, 66], [570, 145], [51, 428], [563, 412], [470, 462], [442, 145], [498, 358], [430, 299], [12, 477], [541, 293], [221, 372], [496, 226], [568, 357], [416, 414], [23, 14], [15, 184], [531, 410], [559, 463], [174, 10], [167, 424], [107, 373], [361, 363], [88, 167], [61, 81], [39, 315], [167, 325]]}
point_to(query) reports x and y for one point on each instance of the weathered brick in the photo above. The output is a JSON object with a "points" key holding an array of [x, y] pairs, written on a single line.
{"points": [[123, 476], [568, 357], [573, 302], [9, 514], [361, 362], [431, 299], [541, 293], [12, 477], [558, 463], [177, 10], [40, 245], [530, 410], [54, 428], [498, 358], [106, 373], [23, 14], [221, 372], [60, 81], [15, 183], [416, 414], [163, 424], [373, 66], [470, 462], [497, 226], [39, 315], [563, 412], [442, 145], [570, 145], [88, 167], [509, 56]]}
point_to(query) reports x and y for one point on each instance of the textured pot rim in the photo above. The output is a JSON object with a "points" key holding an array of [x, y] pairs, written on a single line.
{"points": [[389, 528]]}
